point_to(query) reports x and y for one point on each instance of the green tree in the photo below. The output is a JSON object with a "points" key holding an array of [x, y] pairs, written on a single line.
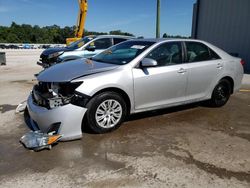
{"points": [[119, 32], [12, 38], [26, 33], [165, 35]]}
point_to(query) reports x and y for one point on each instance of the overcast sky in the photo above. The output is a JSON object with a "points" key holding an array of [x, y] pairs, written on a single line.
{"points": [[135, 16]]}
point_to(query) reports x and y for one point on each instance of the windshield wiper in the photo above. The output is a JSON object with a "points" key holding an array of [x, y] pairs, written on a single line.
{"points": [[102, 61], [99, 60]]}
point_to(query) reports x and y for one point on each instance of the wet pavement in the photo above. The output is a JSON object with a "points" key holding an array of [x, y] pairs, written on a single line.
{"points": [[187, 146]]}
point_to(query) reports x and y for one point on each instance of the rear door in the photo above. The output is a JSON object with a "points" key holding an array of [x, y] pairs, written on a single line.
{"points": [[164, 84], [204, 67]]}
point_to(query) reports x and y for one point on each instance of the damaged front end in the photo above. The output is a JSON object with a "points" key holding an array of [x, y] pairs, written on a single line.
{"points": [[52, 95], [58, 108]]}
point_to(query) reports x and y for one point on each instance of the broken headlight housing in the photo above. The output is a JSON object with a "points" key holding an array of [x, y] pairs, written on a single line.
{"points": [[52, 95]]}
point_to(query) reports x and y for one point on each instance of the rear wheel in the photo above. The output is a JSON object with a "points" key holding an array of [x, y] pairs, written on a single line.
{"points": [[106, 111], [221, 93]]}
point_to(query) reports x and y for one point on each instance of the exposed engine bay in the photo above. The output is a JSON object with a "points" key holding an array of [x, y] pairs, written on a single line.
{"points": [[51, 95]]}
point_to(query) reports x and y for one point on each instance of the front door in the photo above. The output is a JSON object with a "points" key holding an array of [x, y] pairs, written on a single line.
{"points": [[164, 84]]}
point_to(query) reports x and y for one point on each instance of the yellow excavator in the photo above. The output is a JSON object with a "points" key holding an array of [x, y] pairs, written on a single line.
{"points": [[83, 8]]}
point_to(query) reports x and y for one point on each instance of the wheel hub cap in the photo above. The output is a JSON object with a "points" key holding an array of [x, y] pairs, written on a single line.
{"points": [[108, 113]]}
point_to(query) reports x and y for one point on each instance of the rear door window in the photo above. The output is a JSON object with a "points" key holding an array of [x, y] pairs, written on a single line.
{"points": [[199, 52]]}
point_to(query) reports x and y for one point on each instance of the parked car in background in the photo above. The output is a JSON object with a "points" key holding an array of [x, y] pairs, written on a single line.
{"points": [[86, 47], [133, 76], [45, 46], [9, 46], [3, 46], [13, 46]]}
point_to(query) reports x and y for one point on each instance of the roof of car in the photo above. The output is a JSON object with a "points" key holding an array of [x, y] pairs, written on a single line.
{"points": [[155, 40], [117, 36], [167, 39]]}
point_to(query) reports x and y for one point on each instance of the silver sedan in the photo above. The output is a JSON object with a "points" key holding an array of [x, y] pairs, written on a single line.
{"points": [[131, 77]]}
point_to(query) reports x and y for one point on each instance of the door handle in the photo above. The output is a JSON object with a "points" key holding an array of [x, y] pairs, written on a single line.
{"points": [[181, 71], [219, 66]]}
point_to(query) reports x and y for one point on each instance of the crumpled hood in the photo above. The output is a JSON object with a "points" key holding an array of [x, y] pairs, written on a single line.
{"points": [[54, 50], [65, 72]]}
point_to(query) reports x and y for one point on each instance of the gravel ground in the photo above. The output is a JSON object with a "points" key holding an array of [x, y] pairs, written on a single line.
{"points": [[191, 146]]}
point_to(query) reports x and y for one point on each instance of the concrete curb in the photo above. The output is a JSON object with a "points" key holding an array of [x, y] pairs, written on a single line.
{"points": [[246, 79]]}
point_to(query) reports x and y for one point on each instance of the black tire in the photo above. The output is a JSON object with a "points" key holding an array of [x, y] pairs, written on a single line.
{"points": [[221, 93], [95, 103]]}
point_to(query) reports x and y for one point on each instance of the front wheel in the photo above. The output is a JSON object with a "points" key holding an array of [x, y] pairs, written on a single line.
{"points": [[106, 111], [221, 93]]}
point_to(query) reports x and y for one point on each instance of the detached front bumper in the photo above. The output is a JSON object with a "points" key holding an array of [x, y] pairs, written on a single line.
{"points": [[65, 120]]}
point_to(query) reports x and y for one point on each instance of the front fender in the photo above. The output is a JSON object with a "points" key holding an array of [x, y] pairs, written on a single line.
{"points": [[118, 78]]}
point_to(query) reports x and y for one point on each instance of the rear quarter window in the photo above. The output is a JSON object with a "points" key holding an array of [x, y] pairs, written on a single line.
{"points": [[214, 55]]}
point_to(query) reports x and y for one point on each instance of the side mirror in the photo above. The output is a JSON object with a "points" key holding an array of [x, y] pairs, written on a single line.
{"points": [[90, 48], [147, 62]]}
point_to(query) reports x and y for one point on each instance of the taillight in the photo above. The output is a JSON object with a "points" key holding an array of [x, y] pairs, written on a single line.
{"points": [[242, 62]]}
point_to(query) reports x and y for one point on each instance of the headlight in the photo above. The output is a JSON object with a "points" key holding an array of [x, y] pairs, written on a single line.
{"points": [[56, 54], [37, 140]]}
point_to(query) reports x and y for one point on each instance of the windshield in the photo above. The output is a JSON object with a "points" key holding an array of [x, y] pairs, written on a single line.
{"points": [[122, 53], [80, 43]]}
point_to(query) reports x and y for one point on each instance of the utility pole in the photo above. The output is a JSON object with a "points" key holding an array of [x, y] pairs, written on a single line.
{"points": [[158, 19]]}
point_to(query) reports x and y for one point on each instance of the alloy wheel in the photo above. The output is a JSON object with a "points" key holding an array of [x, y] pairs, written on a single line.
{"points": [[108, 113]]}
